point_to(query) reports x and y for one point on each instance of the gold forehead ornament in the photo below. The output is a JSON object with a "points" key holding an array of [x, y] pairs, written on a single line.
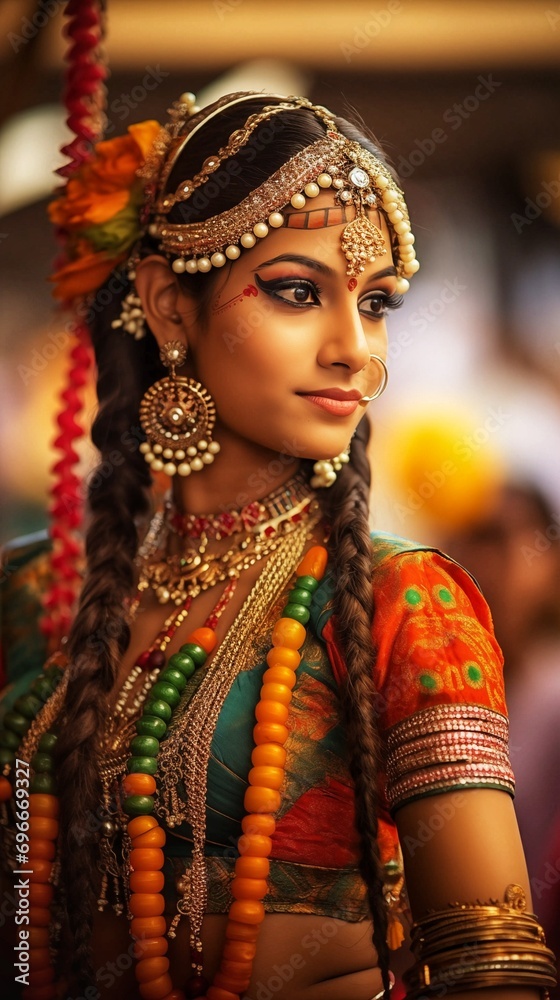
{"points": [[356, 176]]}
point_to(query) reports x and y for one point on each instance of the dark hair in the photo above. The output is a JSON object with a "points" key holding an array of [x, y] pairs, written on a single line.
{"points": [[119, 502]]}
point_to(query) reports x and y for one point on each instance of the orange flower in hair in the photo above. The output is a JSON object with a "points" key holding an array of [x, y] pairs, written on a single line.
{"points": [[99, 212]]}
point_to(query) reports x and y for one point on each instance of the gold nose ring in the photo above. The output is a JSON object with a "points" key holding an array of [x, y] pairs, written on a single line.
{"points": [[384, 379]]}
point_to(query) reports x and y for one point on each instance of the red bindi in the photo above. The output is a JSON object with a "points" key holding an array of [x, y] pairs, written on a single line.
{"points": [[352, 284]]}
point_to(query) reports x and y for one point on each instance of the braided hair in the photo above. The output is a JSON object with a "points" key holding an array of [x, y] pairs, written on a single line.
{"points": [[351, 555], [119, 502]]}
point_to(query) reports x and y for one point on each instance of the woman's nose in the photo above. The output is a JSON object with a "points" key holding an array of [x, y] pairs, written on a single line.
{"points": [[345, 341]]}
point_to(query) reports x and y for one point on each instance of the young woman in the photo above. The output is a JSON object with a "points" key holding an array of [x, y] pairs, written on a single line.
{"points": [[258, 700]]}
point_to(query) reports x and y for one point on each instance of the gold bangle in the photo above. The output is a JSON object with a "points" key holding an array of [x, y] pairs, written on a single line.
{"points": [[474, 945]]}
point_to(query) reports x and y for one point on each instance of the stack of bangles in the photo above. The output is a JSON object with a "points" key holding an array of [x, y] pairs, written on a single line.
{"points": [[469, 947]]}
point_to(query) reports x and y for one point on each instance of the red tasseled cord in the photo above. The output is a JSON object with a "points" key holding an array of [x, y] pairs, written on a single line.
{"points": [[84, 99]]}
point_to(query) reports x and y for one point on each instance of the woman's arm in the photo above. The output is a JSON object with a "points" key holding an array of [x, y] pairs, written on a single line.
{"points": [[463, 847]]}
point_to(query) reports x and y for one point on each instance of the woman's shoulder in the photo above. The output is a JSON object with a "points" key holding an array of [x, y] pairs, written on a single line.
{"points": [[390, 551], [396, 560], [432, 629], [421, 578]]}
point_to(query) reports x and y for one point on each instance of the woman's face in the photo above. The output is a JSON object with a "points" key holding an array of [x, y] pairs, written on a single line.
{"points": [[287, 334]]}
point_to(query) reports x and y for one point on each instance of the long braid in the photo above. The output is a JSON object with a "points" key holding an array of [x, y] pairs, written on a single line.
{"points": [[100, 633], [350, 546]]}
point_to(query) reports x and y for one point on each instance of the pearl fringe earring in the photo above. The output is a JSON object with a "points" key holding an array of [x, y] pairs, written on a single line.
{"points": [[326, 469], [177, 415]]}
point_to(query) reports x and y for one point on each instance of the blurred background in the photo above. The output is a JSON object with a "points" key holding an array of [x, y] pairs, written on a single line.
{"points": [[465, 97]]}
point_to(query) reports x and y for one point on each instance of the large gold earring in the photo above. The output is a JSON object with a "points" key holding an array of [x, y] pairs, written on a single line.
{"points": [[177, 415]]}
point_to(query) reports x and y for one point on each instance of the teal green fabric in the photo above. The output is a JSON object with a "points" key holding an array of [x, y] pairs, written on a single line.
{"points": [[24, 577]]}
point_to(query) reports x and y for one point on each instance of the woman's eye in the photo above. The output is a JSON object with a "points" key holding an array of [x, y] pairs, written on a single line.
{"points": [[378, 304], [294, 292], [302, 294]]}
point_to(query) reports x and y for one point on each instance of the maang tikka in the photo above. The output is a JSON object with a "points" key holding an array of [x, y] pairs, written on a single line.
{"points": [[177, 415]]}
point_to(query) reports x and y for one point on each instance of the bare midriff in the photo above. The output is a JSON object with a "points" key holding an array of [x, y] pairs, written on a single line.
{"points": [[299, 957]]}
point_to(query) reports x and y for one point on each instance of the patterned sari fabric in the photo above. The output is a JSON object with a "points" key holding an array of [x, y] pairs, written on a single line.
{"points": [[438, 676], [440, 708]]}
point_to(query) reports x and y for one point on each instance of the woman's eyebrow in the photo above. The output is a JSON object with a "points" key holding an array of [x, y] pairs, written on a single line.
{"points": [[387, 272], [317, 265], [292, 258]]}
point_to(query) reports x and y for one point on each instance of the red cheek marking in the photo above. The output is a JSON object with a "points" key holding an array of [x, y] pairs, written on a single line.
{"points": [[352, 284], [248, 291]]}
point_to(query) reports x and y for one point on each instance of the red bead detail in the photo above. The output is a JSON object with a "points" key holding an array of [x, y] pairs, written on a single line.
{"points": [[5, 789], [156, 659], [143, 659], [66, 507], [196, 987], [84, 92]]}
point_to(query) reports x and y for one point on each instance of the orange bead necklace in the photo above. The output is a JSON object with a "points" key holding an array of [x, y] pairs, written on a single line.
{"points": [[262, 800]]}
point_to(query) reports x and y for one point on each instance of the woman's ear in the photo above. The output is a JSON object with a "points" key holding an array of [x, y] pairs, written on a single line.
{"points": [[162, 302]]}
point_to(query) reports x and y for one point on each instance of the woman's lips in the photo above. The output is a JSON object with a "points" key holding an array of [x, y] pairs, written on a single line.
{"points": [[338, 402]]}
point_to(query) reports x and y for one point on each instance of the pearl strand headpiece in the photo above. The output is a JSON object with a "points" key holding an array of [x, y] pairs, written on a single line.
{"points": [[356, 176]]}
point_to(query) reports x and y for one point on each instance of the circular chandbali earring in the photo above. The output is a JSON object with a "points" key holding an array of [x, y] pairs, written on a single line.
{"points": [[177, 415]]}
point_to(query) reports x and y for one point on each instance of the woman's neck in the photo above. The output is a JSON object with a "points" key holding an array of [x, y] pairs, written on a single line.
{"points": [[237, 477]]}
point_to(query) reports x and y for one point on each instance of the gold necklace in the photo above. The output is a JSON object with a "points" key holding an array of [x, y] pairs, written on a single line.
{"points": [[178, 576]]}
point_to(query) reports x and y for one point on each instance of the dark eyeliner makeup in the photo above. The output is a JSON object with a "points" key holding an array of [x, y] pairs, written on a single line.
{"points": [[389, 303], [274, 286]]}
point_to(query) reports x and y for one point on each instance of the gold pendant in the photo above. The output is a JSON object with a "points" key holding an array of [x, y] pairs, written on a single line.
{"points": [[361, 243]]}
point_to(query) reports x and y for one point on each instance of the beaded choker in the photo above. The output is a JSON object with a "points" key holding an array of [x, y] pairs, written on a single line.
{"points": [[178, 576], [261, 516]]}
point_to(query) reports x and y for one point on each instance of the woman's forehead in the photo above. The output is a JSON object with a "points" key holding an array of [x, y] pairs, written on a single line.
{"points": [[317, 233]]}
